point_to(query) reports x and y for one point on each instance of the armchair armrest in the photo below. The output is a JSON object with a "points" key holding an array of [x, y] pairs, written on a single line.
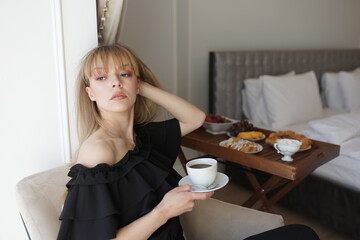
{"points": [[214, 219]]}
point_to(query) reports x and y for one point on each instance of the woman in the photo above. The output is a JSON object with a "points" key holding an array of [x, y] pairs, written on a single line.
{"points": [[122, 184]]}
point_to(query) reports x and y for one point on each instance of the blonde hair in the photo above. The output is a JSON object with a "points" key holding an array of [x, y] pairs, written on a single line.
{"points": [[88, 115]]}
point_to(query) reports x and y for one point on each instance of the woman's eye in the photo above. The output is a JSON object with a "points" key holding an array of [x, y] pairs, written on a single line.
{"points": [[125, 74], [100, 78]]}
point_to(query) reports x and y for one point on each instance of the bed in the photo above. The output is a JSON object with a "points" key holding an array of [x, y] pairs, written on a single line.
{"points": [[312, 92]]}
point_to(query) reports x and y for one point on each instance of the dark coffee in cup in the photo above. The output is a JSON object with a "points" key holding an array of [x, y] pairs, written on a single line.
{"points": [[200, 165], [202, 171]]}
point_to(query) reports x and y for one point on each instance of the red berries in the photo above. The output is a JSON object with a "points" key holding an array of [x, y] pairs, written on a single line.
{"points": [[215, 118]]}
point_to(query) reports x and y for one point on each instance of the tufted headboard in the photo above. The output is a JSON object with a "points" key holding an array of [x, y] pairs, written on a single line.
{"points": [[228, 69]]}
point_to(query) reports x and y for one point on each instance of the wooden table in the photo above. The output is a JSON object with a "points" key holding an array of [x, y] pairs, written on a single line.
{"points": [[284, 175]]}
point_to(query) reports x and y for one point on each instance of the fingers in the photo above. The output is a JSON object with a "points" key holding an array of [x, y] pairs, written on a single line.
{"points": [[184, 188], [193, 195], [202, 196]]}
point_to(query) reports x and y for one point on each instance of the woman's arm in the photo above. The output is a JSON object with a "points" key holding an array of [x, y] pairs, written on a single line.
{"points": [[175, 202], [189, 116]]}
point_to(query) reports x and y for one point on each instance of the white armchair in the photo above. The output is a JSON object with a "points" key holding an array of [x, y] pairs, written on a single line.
{"points": [[40, 198]]}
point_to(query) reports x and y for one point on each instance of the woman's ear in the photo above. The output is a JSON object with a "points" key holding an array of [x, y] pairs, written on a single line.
{"points": [[90, 93], [138, 85]]}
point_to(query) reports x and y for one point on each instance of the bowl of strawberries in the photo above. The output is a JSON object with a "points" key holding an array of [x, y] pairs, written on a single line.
{"points": [[217, 124]]}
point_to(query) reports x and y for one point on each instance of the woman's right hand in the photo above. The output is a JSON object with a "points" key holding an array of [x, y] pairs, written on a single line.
{"points": [[179, 200]]}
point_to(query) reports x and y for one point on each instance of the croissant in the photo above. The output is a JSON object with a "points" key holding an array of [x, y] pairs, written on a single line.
{"points": [[305, 142]]}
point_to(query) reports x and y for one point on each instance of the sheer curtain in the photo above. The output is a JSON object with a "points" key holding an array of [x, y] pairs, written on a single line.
{"points": [[110, 16]]}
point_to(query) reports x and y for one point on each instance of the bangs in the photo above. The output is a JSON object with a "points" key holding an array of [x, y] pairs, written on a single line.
{"points": [[104, 57]]}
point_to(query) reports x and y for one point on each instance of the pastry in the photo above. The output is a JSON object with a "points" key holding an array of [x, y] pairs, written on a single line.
{"points": [[250, 135], [240, 145], [305, 142]]}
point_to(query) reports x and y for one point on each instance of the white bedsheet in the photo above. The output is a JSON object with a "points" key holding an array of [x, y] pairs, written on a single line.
{"points": [[344, 169]]}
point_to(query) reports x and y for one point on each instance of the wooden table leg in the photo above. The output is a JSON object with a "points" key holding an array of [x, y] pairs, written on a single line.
{"points": [[256, 187], [261, 191], [284, 190]]}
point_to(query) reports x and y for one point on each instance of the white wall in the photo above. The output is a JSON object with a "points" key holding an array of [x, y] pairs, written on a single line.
{"points": [[150, 30], [80, 35], [29, 123], [31, 129], [187, 30]]}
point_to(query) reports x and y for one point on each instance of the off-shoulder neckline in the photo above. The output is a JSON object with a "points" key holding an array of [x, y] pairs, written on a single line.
{"points": [[122, 161]]}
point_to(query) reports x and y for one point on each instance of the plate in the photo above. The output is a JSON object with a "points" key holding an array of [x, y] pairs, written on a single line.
{"points": [[220, 179], [260, 148], [250, 139], [214, 132], [305, 149]]}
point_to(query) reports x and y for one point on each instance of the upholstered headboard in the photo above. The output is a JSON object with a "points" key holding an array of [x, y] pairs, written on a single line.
{"points": [[228, 69]]}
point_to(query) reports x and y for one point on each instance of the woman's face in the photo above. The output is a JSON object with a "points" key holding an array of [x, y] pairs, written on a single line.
{"points": [[113, 88]]}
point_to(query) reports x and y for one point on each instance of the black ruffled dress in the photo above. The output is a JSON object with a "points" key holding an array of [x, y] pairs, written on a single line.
{"points": [[105, 198]]}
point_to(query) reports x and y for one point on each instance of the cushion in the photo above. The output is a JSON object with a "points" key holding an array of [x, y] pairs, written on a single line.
{"points": [[291, 99], [254, 106], [350, 88], [213, 219]]}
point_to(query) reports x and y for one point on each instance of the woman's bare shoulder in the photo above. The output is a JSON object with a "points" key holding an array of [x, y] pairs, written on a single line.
{"points": [[100, 148], [96, 151]]}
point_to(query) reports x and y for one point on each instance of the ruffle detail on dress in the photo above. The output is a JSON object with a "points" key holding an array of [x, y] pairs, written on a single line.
{"points": [[128, 189], [104, 173]]}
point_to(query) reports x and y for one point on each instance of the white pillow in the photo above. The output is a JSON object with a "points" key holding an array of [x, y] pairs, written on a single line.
{"points": [[330, 87], [251, 93], [350, 88], [254, 107], [291, 99], [245, 104]]}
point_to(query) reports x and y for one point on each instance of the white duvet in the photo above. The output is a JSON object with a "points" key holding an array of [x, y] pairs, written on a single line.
{"points": [[344, 130]]}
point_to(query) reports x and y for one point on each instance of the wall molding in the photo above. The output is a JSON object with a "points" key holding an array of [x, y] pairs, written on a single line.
{"points": [[60, 72]]}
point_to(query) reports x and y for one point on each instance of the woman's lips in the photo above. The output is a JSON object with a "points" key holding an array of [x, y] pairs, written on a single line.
{"points": [[118, 96]]}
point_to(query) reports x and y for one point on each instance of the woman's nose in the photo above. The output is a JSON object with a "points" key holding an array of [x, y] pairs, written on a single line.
{"points": [[116, 81]]}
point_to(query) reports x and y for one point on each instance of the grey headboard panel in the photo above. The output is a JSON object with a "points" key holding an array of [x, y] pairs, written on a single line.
{"points": [[228, 69]]}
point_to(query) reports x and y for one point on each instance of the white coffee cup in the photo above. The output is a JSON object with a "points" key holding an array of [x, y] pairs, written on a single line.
{"points": [[287, 147], [202, 171]]}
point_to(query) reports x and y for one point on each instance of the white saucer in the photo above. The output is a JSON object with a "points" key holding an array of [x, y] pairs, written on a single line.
{"points": [[220, 179]]}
